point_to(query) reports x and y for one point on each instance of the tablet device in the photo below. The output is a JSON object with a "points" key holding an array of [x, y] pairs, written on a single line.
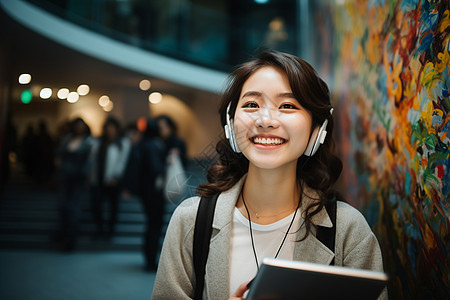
{"points": [[285, 279]]}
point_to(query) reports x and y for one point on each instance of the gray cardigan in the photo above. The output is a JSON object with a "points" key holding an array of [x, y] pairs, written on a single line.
{"points": [[356, 246]]}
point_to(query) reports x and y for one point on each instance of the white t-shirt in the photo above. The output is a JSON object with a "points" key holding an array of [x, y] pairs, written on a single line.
{"points": [[267, 240]]}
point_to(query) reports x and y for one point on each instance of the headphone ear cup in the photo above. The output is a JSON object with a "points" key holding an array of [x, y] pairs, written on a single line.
{"points": [[312, 141], [317, 139], [229, 131], [229, 134]]}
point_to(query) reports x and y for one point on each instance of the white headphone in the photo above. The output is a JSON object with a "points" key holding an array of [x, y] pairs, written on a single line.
{"points": [[229, 131], [317, 137]]}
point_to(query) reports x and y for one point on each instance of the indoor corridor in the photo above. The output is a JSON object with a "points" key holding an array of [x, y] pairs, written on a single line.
{"points": [[32, 266]]}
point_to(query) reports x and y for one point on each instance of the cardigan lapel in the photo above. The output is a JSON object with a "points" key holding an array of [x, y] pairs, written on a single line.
{"points": [[311, 249]]}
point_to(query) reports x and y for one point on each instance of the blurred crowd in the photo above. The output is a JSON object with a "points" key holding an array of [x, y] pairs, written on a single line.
{"points": [[124, 161]]}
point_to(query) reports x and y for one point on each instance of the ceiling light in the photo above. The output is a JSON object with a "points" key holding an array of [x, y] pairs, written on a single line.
{"points": [[45, 93], [24, 78], [108, 107], [83, 90], [155, 97], [73, 97], [145, 85], [103, 100], [63, 93]]}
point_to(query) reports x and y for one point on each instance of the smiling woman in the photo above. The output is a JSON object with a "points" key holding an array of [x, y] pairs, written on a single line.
{"points": [[273, 186]]}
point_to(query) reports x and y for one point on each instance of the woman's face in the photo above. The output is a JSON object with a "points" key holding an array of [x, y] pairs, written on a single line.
{"points": [[272, 129], [111, 131], [79, 128], [164, 129]]}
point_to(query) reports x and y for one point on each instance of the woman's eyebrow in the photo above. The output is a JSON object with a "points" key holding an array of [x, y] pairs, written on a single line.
{"points": [[286, 95], [252, 94]]}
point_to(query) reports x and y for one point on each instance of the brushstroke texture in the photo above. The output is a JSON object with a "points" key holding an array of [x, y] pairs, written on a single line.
{"points": [[392, 89]]}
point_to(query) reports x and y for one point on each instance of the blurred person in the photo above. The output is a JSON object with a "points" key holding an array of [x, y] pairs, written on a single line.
{"points": [[27, 153], [62, 131], [9, 152], [72, 160], [174, 144], [44, 152], [147, 163], [130, 178], [108, 157], [133, 134]]}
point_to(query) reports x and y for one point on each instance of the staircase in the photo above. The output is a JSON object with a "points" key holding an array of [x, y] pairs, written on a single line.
{"points": [[29, 216], [29, 219]]}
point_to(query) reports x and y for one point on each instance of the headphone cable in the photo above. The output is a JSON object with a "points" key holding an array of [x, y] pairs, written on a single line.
{"points": [[251, 230]]}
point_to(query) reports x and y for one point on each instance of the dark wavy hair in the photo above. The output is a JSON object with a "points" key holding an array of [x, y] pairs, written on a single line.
{"points": [[320, 171], [104, 137]]}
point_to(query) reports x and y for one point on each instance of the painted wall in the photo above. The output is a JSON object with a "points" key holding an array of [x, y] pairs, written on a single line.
{"points": [[391, 88]]}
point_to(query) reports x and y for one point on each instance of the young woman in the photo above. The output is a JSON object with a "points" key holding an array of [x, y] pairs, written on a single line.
{"points": [[108, 158], [72, 160], [146, 163], [275, 175]]}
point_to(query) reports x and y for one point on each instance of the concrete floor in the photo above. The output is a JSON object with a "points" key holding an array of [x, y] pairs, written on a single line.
{"points": [[46, 275]]}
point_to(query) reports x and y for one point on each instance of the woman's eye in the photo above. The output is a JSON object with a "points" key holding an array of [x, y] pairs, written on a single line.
{"points": [[288, 106], [250, 105]]}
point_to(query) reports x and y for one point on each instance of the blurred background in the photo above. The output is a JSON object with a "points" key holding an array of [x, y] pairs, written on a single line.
{"points": [[133, 63]]}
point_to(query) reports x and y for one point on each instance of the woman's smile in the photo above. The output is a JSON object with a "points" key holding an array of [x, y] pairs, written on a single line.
{"points": [[267, 141]]}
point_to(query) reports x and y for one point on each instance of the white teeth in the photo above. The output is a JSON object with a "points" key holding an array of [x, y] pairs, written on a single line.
{"points": [[268, 141]]}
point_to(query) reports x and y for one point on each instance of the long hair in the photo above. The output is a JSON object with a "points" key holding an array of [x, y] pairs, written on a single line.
{"points": [[152, 128], [105, 139], [78, 120], [170, 122], [320, 171]]}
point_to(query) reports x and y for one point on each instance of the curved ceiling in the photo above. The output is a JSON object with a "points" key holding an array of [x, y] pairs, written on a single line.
{"points": [[53, 43]]}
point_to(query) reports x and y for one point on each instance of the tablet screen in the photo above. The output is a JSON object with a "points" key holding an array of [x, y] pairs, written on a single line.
{"points": [[285, 279]]}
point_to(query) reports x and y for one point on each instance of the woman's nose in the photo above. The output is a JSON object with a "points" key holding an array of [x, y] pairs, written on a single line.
{"points": [[266, 118]]}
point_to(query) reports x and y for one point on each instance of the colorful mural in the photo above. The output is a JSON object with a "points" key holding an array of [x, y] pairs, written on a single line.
{"points": [[392, 78]]}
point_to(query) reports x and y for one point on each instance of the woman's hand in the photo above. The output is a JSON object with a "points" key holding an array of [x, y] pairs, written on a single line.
{"points": [[239, 294]]}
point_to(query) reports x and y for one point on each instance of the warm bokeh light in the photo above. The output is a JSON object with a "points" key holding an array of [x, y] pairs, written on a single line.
{"points": [[108, 107], [35, 89], [63, 93], [26, 96], [45, 93], [276, 24], [83, 90], [12, 157], [155, 97], [103, 100], [73, 97], [145, 85], [24, 78], [141, 124]]}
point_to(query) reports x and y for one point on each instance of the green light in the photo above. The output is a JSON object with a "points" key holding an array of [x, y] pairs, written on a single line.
{"points": [[26, 96]]}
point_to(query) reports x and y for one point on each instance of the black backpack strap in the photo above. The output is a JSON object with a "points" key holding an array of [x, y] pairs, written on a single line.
{"points": [[202, 237], [325, 234]]}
